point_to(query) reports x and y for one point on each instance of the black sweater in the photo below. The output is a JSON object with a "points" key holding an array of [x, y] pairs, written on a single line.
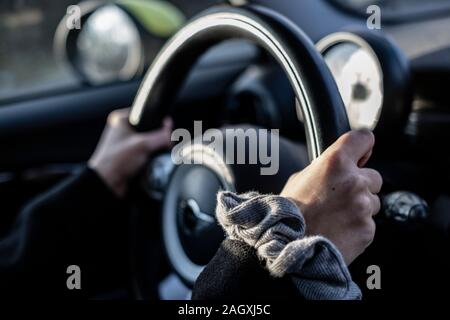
{"points": [[75, 223], [236, 273]]}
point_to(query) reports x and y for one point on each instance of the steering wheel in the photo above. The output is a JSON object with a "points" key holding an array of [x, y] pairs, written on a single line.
{"points": [[190, 234]]}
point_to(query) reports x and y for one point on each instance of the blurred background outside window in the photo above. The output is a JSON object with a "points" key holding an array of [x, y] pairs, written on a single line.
{"points": [[27, 29]]}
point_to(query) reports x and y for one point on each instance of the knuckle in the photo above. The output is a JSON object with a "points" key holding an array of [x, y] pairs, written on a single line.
{"points": [[113, 117], [379, 180], [361, 205], [368, 232], [371, 228], [358, 182], [354, 184], [375, 177], [336, 160], [116, 117], [376, 205]]}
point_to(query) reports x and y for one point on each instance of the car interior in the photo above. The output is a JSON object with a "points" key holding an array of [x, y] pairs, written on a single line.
{"points": [[59, 82]]}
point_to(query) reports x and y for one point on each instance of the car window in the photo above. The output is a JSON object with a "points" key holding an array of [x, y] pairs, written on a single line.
{"points": [[27, 62]]}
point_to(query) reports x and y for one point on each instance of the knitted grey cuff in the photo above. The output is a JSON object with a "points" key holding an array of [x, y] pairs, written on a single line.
{"points": [[274, 226]]}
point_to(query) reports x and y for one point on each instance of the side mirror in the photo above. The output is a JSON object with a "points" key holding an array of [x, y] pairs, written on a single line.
{"points": [[115, 41]]}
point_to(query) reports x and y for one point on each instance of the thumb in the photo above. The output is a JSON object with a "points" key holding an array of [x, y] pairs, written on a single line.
{"points": [[358, 145], [160, 138], [363, 161]]}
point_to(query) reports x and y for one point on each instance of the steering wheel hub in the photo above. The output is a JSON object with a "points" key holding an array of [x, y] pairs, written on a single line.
{"points": [[191, 234]]}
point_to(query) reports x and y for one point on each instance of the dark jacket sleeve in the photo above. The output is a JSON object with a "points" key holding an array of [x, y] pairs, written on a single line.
{"points": [[236, 273], [79, 222]]}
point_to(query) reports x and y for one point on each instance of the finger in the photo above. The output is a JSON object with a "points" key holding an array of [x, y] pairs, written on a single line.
{"points": [[374, 180], [168, 123], [160, 138], [157, 141], [375, 204], [119, 116], [357, 144], [371, 229]]}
